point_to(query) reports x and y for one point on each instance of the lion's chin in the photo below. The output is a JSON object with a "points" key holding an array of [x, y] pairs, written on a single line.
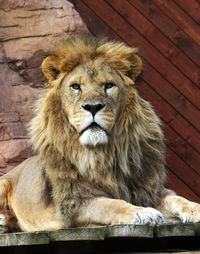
{"points": [[94, 137]]}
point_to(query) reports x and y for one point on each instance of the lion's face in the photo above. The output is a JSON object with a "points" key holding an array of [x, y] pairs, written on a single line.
{"points": [[96, 78], [93, 96]]}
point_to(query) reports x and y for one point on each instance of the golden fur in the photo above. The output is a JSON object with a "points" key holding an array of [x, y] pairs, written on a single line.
{"points": [[108, 173]]}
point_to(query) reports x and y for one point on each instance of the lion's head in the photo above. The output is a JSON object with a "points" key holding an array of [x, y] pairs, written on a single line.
{"points": [[91, 119], [94, 84]]}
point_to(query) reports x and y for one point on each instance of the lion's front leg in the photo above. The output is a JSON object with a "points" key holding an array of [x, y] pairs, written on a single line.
{"points": [[8, 222], [105, 211], [181, 208]]}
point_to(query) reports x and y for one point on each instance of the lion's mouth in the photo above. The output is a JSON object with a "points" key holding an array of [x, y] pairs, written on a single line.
{"points": [[93, 126]]}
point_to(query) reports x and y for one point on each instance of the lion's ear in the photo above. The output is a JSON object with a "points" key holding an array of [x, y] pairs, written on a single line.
{"points": [[50, 68], [136, 67], [123, 58]]}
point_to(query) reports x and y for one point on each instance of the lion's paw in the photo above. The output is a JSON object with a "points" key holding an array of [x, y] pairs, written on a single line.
{"points": [[190, 213], [141, 216], [3, 227], [148, 216]]}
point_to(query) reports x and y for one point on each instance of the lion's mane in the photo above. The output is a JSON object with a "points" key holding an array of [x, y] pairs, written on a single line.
{"points": [[129, 167]]}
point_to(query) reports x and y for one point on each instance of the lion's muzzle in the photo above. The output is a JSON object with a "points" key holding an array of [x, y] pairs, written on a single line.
{"points": [[93, 134]]}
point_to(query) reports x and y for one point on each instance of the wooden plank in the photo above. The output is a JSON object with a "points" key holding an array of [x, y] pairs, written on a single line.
{"points": [[171, 95], [77, 234], [157, 39], [19, 239], [168, 230], [130, 35], [187, 131], [169, 28], [191, 7], [183, 171], [175, 183], [161, 106], [146, 231], [180, 18], [94, 24], [182, 149], [170, 116]]}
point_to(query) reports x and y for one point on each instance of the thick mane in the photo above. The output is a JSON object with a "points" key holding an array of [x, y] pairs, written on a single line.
{"points": [[130, 166], [79, 50], [133, 152]]}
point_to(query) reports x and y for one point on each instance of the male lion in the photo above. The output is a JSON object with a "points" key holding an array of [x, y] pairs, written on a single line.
{"points": [[100, 147]]}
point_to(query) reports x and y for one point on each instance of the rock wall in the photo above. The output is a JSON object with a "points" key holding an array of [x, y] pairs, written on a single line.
{"points": [[28, 30]]}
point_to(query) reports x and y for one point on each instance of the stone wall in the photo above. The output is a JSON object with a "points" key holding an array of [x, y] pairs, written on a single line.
{"points": [[28, 30]]}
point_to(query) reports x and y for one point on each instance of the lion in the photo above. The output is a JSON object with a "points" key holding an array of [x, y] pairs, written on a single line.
{"points": [[100, 154]]}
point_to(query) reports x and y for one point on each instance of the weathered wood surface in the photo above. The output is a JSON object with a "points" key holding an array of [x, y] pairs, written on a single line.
{"points": [[99, 234]]}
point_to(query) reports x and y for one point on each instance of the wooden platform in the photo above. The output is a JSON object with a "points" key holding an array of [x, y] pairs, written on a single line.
{"points": [[106, 239]]}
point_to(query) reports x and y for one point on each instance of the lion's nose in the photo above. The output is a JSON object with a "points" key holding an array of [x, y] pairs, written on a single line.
{"points": [[93, 108]]}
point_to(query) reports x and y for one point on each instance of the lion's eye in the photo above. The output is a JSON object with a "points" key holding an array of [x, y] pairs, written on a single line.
{"points": [[76, 86], [109, 85]]}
